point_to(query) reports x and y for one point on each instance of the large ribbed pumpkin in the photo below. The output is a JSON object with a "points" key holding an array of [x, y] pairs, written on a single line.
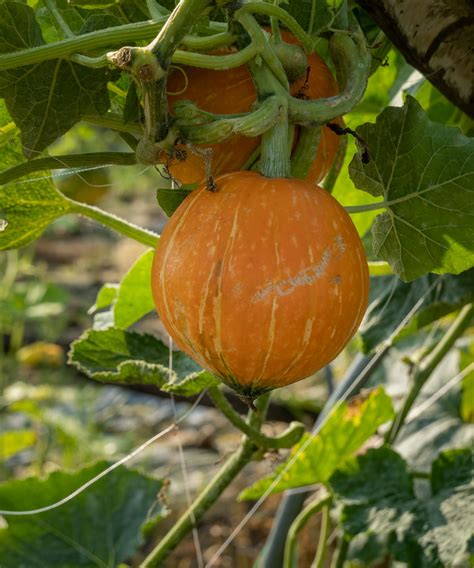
{"points": [[232, 91], [262, 282]]}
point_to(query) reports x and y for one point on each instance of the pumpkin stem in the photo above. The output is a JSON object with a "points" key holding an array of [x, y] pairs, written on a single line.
{"points": [[249, 401]]}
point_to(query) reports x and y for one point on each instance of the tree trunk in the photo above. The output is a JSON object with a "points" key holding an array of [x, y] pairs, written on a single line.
{"points": [[437, 38]]}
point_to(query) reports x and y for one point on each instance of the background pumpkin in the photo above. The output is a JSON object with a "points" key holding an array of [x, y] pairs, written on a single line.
{"points": [[262, 282], [232, 91]]}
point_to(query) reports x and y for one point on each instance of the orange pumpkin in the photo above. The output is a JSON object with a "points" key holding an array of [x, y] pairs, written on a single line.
{"points": [[232, 91], [262, 282]]}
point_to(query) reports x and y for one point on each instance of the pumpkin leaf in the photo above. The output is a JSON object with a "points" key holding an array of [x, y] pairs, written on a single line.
{"points": [[382, 86], [391, 300], [117, 356], [14, 442], [134, 298], [346, 430], [46, 99], [170, 199], [381, 515], [89, 530], [425, 173], [27, 207]]}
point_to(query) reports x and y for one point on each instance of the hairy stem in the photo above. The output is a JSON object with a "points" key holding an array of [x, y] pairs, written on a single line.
{"points": [[427, 365], [290, 558], [275, 147], [285, 440], [180, 21], [211, 492], [118, 35], [118, 225]]}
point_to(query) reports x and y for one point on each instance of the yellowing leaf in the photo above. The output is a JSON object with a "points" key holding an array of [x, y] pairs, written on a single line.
{"points": [[346, 430]]}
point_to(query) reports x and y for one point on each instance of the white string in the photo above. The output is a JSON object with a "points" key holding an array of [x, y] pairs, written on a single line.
{"points": [[189, 499], [74, 171], [108, 470], [441, 392], [316, 429]]}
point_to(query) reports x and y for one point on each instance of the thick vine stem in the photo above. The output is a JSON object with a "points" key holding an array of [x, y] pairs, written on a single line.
{"points": [[67, 161], [84, 42], [118, 35], [180, 21], [428, 364], [257, 36], [284, 17], [305, 151], [290, 560], [217, 62], [150, 65], [211, 492], [352, 58], [285, 440], [275, 149]]}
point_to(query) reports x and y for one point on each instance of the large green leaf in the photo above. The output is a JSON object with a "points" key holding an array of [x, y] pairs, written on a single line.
{"points": [[346, 429], [379, 511], [26, 210], [391, 300], [382, 86], [118, 356], [28, 206], [425, 173], [45, 100], [100, 527]]}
